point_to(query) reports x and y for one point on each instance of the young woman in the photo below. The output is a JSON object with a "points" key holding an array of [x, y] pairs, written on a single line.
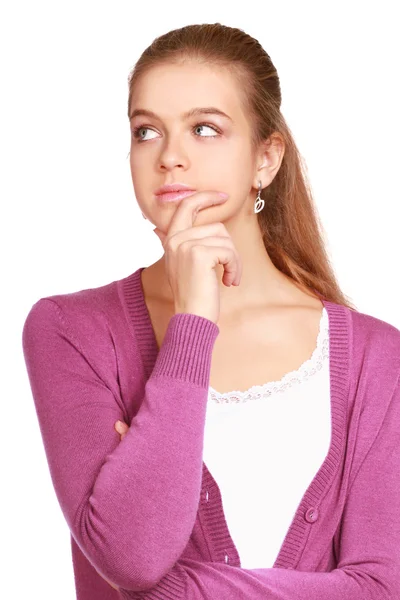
{"points": [[222, 423]]}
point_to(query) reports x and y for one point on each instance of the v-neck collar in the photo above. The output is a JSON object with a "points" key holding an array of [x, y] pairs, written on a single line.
{"points": [[340, 347]]}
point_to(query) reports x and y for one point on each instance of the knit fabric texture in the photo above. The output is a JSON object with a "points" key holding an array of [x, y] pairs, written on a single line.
{"points": [[146, 514]]}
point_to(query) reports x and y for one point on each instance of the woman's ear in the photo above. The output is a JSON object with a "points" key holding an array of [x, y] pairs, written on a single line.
{"points": [[270, 156]]}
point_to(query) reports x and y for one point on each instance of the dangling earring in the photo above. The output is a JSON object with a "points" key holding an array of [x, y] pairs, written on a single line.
{"points": [[259, 203], [144, 216]]}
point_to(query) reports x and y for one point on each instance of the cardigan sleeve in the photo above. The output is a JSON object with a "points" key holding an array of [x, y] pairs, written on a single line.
{"points": [[369, 559], [114, 494]]}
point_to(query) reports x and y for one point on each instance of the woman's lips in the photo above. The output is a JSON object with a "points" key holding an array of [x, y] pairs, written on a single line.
{"points": [[173, 196]]}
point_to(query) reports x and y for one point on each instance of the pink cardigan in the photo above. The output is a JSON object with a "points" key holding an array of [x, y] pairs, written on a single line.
{"points": [[146, 513]]}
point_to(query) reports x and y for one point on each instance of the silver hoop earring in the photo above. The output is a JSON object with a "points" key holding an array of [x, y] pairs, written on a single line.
{"points": [[144, 216], [259, 203]]}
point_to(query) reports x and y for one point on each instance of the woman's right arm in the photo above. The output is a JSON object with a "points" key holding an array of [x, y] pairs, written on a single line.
{"points": [[131, 504]]}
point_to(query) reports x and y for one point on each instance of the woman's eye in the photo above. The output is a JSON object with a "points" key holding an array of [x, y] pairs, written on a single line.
{"points": [[207, 127], [136, 131]]}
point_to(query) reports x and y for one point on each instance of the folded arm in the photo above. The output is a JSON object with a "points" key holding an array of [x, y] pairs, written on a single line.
{"points": [[115, 496], [369, 560]]}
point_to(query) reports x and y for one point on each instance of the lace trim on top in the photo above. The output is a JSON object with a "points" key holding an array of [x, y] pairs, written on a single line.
{"points": [[306, 370]]}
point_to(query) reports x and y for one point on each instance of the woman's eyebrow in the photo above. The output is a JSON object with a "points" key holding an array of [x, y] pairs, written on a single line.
{"points": [[208, 110]]}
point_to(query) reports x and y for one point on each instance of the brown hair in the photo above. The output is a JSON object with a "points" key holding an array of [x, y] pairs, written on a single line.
{"points": [[292, 231]]}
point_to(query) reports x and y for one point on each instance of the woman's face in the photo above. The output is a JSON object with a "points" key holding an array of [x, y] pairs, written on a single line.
{"points": [[203, 151]]}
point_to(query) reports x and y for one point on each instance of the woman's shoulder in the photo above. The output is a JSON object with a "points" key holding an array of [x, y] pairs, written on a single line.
{"points": [[93, 318], [374, 330], [84, 307], [374, 359]]}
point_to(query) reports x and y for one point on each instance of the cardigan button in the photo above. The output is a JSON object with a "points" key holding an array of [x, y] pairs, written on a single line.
{"points": [[311, 514], [207, 496]]}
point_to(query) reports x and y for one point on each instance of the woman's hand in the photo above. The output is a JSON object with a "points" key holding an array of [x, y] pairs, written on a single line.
{"points": [[121, 428], [192, 253]]}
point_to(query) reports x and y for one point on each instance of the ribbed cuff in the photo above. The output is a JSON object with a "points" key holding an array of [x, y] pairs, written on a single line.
{"points": [[187, 349]]}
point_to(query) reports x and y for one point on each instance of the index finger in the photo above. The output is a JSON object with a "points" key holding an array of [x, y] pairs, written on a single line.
{"points": [[189, 206]]}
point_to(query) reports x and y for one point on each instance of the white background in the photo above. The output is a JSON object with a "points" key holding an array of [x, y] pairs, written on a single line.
{"points": [[70, 219]]}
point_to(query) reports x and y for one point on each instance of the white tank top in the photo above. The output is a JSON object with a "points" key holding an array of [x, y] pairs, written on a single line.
{"points": [[264, 446]]}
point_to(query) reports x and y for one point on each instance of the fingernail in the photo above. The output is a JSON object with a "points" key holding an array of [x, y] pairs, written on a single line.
{"points": [[222, 194]]}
